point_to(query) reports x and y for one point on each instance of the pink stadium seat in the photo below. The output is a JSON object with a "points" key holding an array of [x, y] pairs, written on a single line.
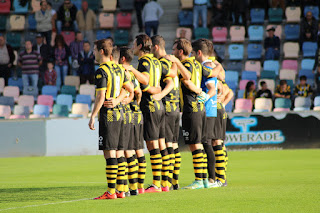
{"points": [[69, 36], [124, 20], [293, 14], [12, 91], [34, 116], [80, 109], [263, 104], [237, 33], [243, 83], [5, 111], [219, 34], [291, 49], [17, 117], [106, 20], [253, 66], [290, 65], [281, 110], [317, 108], [243, 105], [184, 32], [5, 6], [26, 100], [45, 100]]}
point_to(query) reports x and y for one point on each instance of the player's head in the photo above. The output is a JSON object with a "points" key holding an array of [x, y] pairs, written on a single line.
{"points": [[263, 85], [181, 47], [202, 49], [103, 49], [303, 80], [111, 40], [115, 55], [126, 55], [142, 43], [158, 45]]}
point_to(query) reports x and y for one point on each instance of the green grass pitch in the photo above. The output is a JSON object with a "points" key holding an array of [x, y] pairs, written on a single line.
{"points": [[259, 181]]}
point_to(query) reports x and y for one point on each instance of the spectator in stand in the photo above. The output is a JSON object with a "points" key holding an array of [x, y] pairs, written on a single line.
{"points": [[220, 11], [86, 61], [318, 80], [279, 3], [139, 4], [283, 90], [86, 20], [250, 91], [259, 4], [272, 45], [200, 7], [49, 7], [293, 3], [44, 21], [264, 92], [308, 36], [66, 17], [151, 14], [29, 61], [308, 23], [50, 75], [7, 58], [239, 8], [303, 89], [76, 47], [61, 54]]}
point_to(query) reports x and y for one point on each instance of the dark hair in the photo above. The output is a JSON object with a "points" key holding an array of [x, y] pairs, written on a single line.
{"points": [[184, 45], [59, 38], [78, 32], [127, 53], [110, 39], [303, 77], [262, 83], [145, 41], [249, 84], [49, 3], [204, 45], [86, 42], [158, 40], [105, 45], [116, 53], [42, 2], [283, 82]]}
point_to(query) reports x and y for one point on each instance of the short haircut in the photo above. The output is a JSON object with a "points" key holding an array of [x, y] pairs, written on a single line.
{"points": [[158, 40], [104, 45], [28, 40], [49, 3], [145, 42], [43, 2], [116, 53], [184, 45], [127, 53], [110, 39], [204, 45], [262, 83], [86, 42], [303, 77], [283, 82]]}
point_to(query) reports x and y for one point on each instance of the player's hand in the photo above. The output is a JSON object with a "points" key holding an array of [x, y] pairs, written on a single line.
{"points": [[171, 58], [125, 101], [203, 97], [157, 97], [91, 124], [199, 90], [126, 66], [110, 103]]}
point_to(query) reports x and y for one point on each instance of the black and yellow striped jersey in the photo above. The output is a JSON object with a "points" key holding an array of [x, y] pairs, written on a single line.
{"points": [[189, 100], [151, 66], [135, 108], [171, 100], [280, 91], [303, 91]]}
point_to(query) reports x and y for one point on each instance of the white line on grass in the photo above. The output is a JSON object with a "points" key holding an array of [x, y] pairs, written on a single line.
{"points": [[45, 204]]}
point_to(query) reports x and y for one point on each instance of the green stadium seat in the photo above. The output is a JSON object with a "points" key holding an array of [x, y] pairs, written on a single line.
{"points": [[3, 22], [268, 74], [201, 33], [69, 90], [60, 110], [121, 37], [14, 39]]}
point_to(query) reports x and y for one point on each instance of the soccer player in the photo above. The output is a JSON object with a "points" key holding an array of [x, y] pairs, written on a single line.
{"points": [[110, 81]]}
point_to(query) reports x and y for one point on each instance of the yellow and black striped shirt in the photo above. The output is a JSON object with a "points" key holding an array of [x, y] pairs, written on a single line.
{"points": [[303, 91]]}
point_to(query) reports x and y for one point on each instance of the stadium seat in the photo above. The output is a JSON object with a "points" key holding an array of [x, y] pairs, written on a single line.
{"points": [[281, 110], [302, 103], [234, 65], [31, 36], [56, 4], [243, 83], [184, 32], [87, 89], [290, 65], [35, 5], [77, 3], [249, 75], [50, 90], [2, 84], [12, 91], [26, 100], [255, 33], [32, 23], [21, 110], [243, 105], [232, 85], [121, 37], [80, 109], [20, 9], [186, 4], [3, 22], [41, 110], [126, 5], [253, 66], [219, 34], [271, 65], [293, 14], [106, 20], [72, 81], [291, 50], [45, 100], [220, 49], [201, 32], [292, 32], [5, 111], [317, 108], [240, 93], [287, 75], [291, 85], [307, 64], [60, 110], [14, 39], [13, 117], [254, 51], [236, 51], [95, 5], [237, 33], [257, 15], [84, 99], [263, 104], [69, 90], [69, 36], [13, 81], [109, 5], [31, 91], [124, 20], [232, 77], [269, 82], [17, 22], [185, 18], [6, 100], [278, 31], [63, 99], [275, 15], [229, 106], [102, 34], [309, 49], [309, 74], [313, 9], [317, 101], [5, 6], [34, 116], [268, 74]]}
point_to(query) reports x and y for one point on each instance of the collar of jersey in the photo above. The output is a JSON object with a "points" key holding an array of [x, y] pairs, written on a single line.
{"points": [[187, 59], [149, 55], [208, 60], [107, 63]]}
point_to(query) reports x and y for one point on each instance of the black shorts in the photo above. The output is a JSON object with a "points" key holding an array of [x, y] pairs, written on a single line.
{"points": [[220, 126], [194, 127], [154, 125], [210, 127], [138, 141], [172, 126], [126, 142], [110, 125]]}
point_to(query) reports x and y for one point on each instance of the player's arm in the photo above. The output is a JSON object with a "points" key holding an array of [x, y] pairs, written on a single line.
{"points": [[190, 85], [210, 69], [228, 97], [211, 89], [129, 98], [152, 90], [142, 74], [138, 95], [169, 86], [173, 71], [184, 72]]}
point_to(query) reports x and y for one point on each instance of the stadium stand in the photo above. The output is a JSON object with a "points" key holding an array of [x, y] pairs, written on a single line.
{"points": [[183, 32], [11, 91], [292, 32], [18, 8], [5, 6], [236, 52], [109, 5], [262, 105], [255, 33], [41, 110], [201, 32], [254, 51], [21, 110], [243, 105], [64, 99], [302, 104], [60, 110], [126, 5], [185, 18], [257, 15], [5, 111], [50, 90], [293, 14], [275, 15], [237, 33], [219, 34], [26, 100]]}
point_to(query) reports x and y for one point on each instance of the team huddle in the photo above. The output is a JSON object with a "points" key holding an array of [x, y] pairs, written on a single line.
{"points": [[144, 104]]}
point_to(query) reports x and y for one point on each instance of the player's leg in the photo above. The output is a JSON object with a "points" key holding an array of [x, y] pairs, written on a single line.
{"points": [[121, 174], [220, 162], [205, 160], [210, 160], [177, 155], [142, 167], [171, 162], [164, 155]]}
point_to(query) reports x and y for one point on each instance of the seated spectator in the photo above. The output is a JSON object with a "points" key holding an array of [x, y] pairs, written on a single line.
{"points": [[220, 11], [272, 45], [250, 91], [29, 61], [264, 92], [50, 75], [44, 21], [308, 23], [75, 48], [86, 61], [318, 80], [283, 90], [86, 20], [61, 54], [200, 7], [303, 89], [308, 36], [151, 14], [66, 17], [7, 58]]}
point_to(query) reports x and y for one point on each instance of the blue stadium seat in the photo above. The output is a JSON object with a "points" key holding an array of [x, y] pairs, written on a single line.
{"points": [[229, 106], [255, 33], [60, 110], [240, 93], [236, 51], [292, 32], [201, 32], [249, 75], [21, 110], [31, 36], [33, 91], [41, 110], [94, 5], [272, 65], [232, 85], [121, 37], [3, 22], [13, 81], [254, 51], [257, 15], [317, 101], [185, 18], [307, 64], [234, 65], [64, 99], [220, 49], [14, 39], [77, 3], [268, 74], [282, 103], [7, 101], [313, 9], [50, 90], [291, 84], [309, 74], [275, 15], [32, 23], [56, 4], [20, 9], [309, 49], [232, 77], [84, 99]]}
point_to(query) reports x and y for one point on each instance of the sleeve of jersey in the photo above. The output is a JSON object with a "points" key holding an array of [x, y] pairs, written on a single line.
{"points": [[166, 68], [210, 80], [144, 66], [135, 84], [206, 71], [100, 80], [126, 80], [189, 68]]}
